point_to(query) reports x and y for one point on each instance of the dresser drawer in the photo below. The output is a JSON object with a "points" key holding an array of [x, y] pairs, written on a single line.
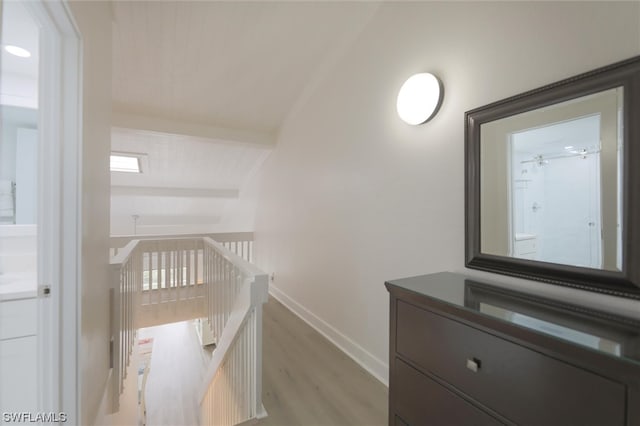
{"points": [[420, 400], [523, 385]]}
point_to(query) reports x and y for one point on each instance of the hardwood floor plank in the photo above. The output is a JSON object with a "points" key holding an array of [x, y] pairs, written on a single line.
{"points": [[178, 364], [309, 381]]}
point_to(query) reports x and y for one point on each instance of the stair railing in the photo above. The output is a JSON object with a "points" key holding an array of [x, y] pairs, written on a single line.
{"points": [[197, 273], [124, 300], [232, 389]]}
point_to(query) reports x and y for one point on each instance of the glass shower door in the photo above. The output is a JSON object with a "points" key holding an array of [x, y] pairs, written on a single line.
{"points": [[556, 193]]}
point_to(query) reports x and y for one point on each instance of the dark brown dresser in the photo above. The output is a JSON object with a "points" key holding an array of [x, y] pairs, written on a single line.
{"points": [[465, 352]]}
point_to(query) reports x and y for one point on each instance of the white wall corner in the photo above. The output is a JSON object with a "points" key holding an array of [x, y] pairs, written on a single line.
{"points": [[376, 367]]}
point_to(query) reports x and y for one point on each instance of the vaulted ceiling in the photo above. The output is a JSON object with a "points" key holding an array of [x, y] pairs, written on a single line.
{"points": [[203, 88]]}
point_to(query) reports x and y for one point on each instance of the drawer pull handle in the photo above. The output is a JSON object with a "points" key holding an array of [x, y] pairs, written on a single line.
{"points": [[473, 365]]}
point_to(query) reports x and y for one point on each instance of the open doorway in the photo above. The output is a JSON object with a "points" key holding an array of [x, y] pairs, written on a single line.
{"points": [[19, 148], [39, 261]]}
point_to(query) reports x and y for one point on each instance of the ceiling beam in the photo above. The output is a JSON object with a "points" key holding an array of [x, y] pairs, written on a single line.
{"points": [[154, 191], [176, 220], [147, 123]]}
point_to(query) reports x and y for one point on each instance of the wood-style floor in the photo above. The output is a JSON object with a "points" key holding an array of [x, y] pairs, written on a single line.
{"points": [[178, 363], [307, 381]]}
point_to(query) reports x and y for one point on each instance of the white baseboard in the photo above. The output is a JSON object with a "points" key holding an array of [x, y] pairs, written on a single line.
{"points": [[372, 364]]}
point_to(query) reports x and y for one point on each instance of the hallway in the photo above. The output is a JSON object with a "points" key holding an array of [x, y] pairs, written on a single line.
{"points": [[306, 380]]}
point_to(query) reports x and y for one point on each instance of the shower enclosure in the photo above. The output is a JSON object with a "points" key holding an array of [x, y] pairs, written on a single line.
{"points": [[555, 193]]}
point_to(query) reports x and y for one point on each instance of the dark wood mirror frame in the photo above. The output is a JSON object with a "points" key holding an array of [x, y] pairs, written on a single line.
{"points": [[625, 283]]}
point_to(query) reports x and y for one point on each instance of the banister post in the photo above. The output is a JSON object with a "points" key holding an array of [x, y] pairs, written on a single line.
{"points": [[259, 296]]}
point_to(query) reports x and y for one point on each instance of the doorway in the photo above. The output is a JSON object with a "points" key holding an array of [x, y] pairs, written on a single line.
{"points": [[39, 279]]}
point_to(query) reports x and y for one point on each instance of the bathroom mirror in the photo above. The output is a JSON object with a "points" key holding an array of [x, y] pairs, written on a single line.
{"points": [[18, 165], [553, 182]]}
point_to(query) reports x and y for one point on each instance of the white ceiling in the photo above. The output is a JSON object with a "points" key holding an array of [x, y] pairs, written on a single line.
{"points": [[187, 185], [19, 83], [237, 64], [178, 161], [554, 139], [202, 89]]}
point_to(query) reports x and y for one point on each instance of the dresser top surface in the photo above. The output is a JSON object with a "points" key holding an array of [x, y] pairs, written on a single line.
{"points": [[602, 332]]}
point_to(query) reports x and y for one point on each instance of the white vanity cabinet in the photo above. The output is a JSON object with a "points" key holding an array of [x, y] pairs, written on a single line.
{"points": [[18, 355], [525, 246]]}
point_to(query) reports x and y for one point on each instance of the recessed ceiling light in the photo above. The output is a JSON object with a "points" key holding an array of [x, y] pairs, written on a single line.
{"points": [[568, 147], [125, 163], [18, 51]]}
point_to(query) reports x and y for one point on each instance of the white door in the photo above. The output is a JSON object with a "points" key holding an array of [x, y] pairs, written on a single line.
{"points": [[19, 274], [38, 371]]}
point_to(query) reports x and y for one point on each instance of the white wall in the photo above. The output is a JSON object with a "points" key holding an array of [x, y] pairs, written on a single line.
{"points": [[13, 118], [352, 197], [94, 22], [26, 177], [187, 215]]}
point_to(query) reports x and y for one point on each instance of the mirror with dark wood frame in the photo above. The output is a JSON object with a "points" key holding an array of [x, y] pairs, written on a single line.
{"points": [[553, 182]]}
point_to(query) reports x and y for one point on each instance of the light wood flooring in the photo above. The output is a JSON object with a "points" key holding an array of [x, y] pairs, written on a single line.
{"points": [[307, 381], [178, 363]]}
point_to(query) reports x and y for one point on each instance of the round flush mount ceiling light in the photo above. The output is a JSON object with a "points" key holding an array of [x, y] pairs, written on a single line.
{"points": [[419, 98], [18, 51]]}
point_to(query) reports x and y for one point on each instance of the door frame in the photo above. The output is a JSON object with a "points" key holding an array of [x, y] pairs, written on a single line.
{"points": [[59, 208]]}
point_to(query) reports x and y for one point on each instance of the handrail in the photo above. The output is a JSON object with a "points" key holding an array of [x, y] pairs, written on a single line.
{"points": [[124, 296], [232, 390], [195, 277], [117, 241], [237, 318], [247, 268], [240, 243], [124, 253]]}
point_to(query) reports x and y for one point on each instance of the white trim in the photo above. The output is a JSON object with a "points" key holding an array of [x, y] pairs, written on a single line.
{"points": [[510, 196], [376, 367], [71, 306]]}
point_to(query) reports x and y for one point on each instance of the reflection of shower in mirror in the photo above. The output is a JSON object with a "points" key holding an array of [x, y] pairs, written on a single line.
{"points": [[540, 160], [557, 166], [567, 148]]}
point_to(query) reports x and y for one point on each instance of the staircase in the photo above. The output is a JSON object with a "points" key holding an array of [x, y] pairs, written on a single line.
{"points": [[162, 280]]}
